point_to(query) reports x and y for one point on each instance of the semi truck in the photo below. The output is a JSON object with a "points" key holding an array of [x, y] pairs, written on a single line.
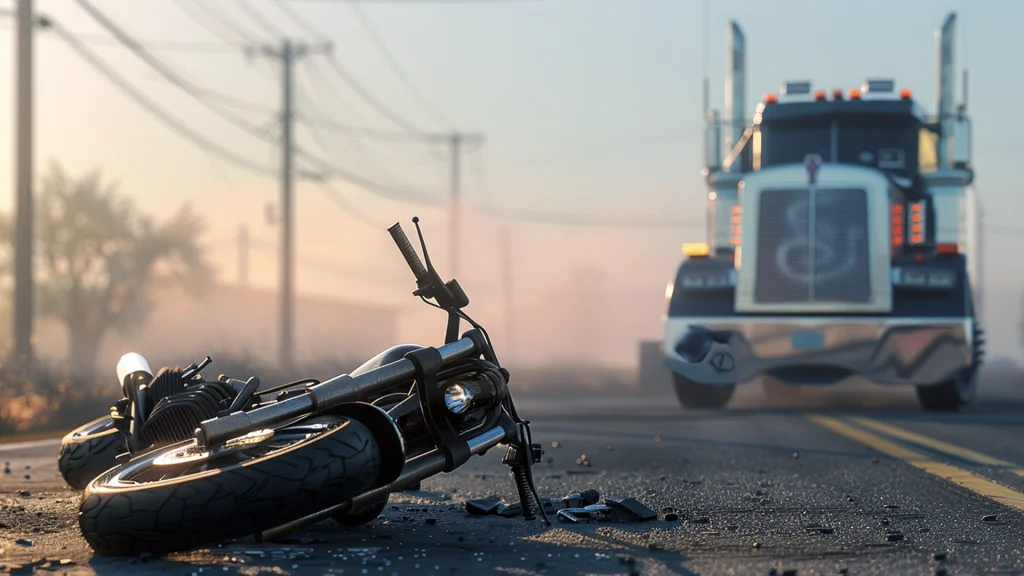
{"points": [[842, 242]]}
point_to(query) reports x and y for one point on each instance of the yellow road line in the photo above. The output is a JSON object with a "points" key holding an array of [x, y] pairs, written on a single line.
{"points": [[966, 454], [966, 479]]}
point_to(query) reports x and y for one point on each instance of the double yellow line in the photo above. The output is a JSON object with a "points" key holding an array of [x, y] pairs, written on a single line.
{"points": [[968, 480]]}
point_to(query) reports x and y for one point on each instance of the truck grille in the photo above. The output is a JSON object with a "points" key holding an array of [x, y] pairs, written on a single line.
{"points": [[839, 270]]}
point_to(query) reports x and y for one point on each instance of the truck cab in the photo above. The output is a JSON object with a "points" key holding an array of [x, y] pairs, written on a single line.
{"points": [[842, 242]]}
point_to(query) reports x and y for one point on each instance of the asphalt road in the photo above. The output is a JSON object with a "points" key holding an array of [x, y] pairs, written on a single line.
{"points": [[852, 481]]}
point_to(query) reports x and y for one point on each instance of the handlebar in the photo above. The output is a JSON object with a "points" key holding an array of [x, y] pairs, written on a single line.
{"points": [[405, 246]]}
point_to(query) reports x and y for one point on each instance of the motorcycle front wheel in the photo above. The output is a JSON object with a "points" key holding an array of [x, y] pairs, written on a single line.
{"points": [[179, 497]]}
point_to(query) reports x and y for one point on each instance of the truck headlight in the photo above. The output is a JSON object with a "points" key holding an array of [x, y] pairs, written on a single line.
{"points": [[711, 280], [929, 278], [458, 398]]}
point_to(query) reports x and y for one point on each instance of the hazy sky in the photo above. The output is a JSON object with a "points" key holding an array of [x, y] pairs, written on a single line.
{"points": [[588, 106]]}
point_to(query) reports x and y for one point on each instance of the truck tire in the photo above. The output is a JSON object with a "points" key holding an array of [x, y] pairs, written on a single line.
{"points": [[776, 389], [88, 451], [238, 495], [693, 395], [950, 395]]}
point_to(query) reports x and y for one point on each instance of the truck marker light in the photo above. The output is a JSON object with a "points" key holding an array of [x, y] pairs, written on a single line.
{"points": [[771, 98], [948, 248], [696, 249], [837, 94], [905, 94], [854, 94], [819, 94]]}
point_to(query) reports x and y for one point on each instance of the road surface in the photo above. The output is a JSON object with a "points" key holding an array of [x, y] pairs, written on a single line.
{"points": [[850, 482]]}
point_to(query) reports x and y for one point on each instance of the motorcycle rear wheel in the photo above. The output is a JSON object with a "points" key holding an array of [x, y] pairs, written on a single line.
{"points": [[88, 451], [174, 499]]}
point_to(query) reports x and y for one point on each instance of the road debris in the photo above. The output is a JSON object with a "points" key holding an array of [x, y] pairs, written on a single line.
{"points": [[990, 518], [583, 461]]}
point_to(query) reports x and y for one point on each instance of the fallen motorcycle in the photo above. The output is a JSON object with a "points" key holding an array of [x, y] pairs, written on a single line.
{"points": [[214, 461]]}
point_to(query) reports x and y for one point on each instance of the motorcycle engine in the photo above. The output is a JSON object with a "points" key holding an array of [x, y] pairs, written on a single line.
{"points": [[181, 406]]}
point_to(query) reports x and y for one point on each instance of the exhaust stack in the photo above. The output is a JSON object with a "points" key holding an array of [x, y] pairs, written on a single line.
{"points": [[736, 85], [946, 88]]}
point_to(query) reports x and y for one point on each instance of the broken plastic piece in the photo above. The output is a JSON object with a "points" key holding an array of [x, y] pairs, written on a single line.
{"points": [[483, 506], [631, 509]]}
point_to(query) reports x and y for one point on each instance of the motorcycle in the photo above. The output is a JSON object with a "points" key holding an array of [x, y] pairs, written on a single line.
{"points": [[210, 461]]}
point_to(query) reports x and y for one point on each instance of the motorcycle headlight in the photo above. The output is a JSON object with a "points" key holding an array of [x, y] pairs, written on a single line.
{"points": [[458, 398]]}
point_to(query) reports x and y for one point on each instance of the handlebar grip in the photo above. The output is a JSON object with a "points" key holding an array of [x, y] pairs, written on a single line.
{"points": [[405, 246]]}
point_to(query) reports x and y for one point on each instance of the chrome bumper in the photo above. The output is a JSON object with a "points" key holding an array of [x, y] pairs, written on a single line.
{"points": [[898, 351]]}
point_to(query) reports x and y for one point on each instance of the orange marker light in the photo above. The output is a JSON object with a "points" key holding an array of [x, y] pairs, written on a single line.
{"points": [[771, 98], [854, 94], [947, 248], [905, 93], [837, 94], [819, 95]]}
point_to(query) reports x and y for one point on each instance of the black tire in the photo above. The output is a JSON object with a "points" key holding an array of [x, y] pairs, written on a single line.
{"points": [[775, 389], [88, 451], [361, 517], [950, 395], [122, 518], [697, 396]]}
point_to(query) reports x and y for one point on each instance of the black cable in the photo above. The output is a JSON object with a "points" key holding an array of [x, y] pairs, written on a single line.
{"points": [[165, 45], [378, 42], [149, 105], [291, 13]]}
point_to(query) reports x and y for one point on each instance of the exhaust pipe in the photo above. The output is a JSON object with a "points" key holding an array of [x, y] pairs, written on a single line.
{"points": [[736, 85], [946, 87]]}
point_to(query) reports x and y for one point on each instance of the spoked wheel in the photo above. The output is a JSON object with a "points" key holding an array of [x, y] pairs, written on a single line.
{"points": [[179, 497], [88, 451]]}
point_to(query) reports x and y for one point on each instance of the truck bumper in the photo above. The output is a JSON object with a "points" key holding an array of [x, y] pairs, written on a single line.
{"points": [[896, 351]]}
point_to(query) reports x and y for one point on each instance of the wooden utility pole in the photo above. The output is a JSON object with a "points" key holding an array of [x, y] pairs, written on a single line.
{"points": [[23, 284]]}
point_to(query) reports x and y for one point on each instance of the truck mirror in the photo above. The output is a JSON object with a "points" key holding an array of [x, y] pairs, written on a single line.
{"points": [[961, 141]]}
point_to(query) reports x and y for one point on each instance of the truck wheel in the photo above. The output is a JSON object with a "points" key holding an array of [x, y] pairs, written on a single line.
{"points": [[950, 395], [700, 397], [775, 389]]}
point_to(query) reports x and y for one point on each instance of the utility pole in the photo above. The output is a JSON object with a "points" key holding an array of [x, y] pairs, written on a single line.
{"points": [[455, 141], [288, 54], [243, 255], [23, 284]]}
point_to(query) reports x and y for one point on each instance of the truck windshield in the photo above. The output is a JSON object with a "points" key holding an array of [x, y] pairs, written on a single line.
{"points": [[890, 144]]}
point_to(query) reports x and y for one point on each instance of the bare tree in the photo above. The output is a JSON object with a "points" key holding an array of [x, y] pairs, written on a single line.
{"points": [[97, 259]]}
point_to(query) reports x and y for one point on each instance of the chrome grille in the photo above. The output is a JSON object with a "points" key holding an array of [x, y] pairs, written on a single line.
{"points": [[839, 269]]}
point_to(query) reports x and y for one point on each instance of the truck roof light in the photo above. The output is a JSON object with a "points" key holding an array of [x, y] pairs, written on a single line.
{"points": [[905, 94], [771, 98], [854, 94], [819, 94], [947, 248], [837, 94], [696, 249]]}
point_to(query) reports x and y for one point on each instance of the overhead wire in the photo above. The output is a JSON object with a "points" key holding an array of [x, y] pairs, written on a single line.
{"points": [[324, 166], [260, 19], [228, 22], [378, 42], [133, 92]]}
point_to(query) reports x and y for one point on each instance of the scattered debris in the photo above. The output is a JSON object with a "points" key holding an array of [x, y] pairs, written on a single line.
{"points": [[431, 521], [939, 556], [757, 544], [698, 520], [631, 509], [671, 517], [24, 493], [894, 537], [583, 460], [925, 530], [657, 438], [890, 507], [594, 511], [23, 542], [796, 455], [990, 518], [483, 506], [554, 443]]}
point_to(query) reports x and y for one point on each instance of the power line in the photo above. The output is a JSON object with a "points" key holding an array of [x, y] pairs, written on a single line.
{"points": [[229, 22], [581, 220], [393, 63], [164, 45], [203, 21], [260, 19], [289, 11], [173, 77], [149, 105], [356, 85], [202, 95], [423, 2]]}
